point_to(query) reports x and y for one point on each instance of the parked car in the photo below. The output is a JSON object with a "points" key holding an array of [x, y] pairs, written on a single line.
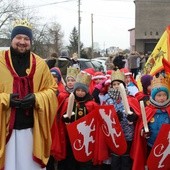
{"points": [[102, 63], [83, 63], [98, 65], [63, 63]]}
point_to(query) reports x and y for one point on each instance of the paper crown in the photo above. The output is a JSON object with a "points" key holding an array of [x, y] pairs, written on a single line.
{"points": [[23, 23], [160, 81], [84, 78], [117, 75], [72, 72]]}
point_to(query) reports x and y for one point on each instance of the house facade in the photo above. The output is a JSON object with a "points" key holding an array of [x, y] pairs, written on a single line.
{"points": [[151, 19]]}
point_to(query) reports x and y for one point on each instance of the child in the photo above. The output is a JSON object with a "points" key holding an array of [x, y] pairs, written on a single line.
{"points": [[83, 104], [145, 93], [55, 71], [126, 120], [130, 82], [100, 87], [158, 113], [58, 129], [70, 81]]}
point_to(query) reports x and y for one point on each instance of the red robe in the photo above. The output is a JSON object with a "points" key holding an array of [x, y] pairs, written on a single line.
{"points": [[62, 96], [61, 87], [140, 95], [139, 145]]}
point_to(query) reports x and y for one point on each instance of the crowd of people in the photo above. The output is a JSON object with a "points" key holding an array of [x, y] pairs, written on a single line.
{"points": [[41, 112]]}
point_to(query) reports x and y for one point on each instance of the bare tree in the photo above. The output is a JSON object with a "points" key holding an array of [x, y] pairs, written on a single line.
{"points": [[55, 37], [47, 38], [8, 11], [8, 8]]}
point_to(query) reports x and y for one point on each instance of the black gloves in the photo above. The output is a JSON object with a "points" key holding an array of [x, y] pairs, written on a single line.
{"points": [[28, 101], [15, 101], [66, 119], [132, 117], [120, 115]]}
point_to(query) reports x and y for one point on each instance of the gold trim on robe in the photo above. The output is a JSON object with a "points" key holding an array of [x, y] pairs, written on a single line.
{"points": [[45, 88]]}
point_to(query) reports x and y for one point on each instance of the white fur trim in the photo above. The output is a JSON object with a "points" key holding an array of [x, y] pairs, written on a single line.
{"points": [[128, 73], [99, 77]]}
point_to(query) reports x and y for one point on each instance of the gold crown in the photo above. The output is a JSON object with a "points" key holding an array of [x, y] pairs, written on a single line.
{"points": [[160, 81], [72, 72], [84, 78], [22, 22], [117, 75]]}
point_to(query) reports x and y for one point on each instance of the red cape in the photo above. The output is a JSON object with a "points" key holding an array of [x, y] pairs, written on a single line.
{"points": [[134, 104], [139, 145], [140, 95]]}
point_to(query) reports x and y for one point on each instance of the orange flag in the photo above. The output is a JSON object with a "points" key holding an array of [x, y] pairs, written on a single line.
{"points": [[161, 50]]}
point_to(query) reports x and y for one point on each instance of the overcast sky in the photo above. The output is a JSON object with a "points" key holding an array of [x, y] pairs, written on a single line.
{"points": [[111, 19]]}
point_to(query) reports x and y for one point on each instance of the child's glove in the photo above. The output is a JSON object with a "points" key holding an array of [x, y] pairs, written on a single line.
{"points": [[66, 119], [132, 117], [144, 134]]}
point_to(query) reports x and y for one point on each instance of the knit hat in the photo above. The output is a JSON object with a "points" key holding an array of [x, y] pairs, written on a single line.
{"points": [[156, 90], [98, 75], [81, 86], [22, 27], [56, 71], [158, 84], [146, 81], [82, 81]]}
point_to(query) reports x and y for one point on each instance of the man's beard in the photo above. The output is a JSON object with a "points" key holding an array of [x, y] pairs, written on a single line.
{"points": [[21, 49]]}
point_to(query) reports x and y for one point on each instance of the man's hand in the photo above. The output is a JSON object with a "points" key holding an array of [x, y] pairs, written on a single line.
{"points": [[15, 101], [28, 101]]}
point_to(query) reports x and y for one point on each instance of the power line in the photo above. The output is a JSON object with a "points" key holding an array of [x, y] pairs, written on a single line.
{"points": [[47, 4]]}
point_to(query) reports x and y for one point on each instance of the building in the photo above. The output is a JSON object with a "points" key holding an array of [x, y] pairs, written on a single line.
{"points": [[151, 19], [132, 39]]}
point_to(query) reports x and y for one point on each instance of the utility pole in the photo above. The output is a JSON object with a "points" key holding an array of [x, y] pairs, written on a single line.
{"points": [[92, 54], [79, 21]]}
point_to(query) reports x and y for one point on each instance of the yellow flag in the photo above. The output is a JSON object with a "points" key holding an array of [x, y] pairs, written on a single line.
{"points": [[161, 50]]}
